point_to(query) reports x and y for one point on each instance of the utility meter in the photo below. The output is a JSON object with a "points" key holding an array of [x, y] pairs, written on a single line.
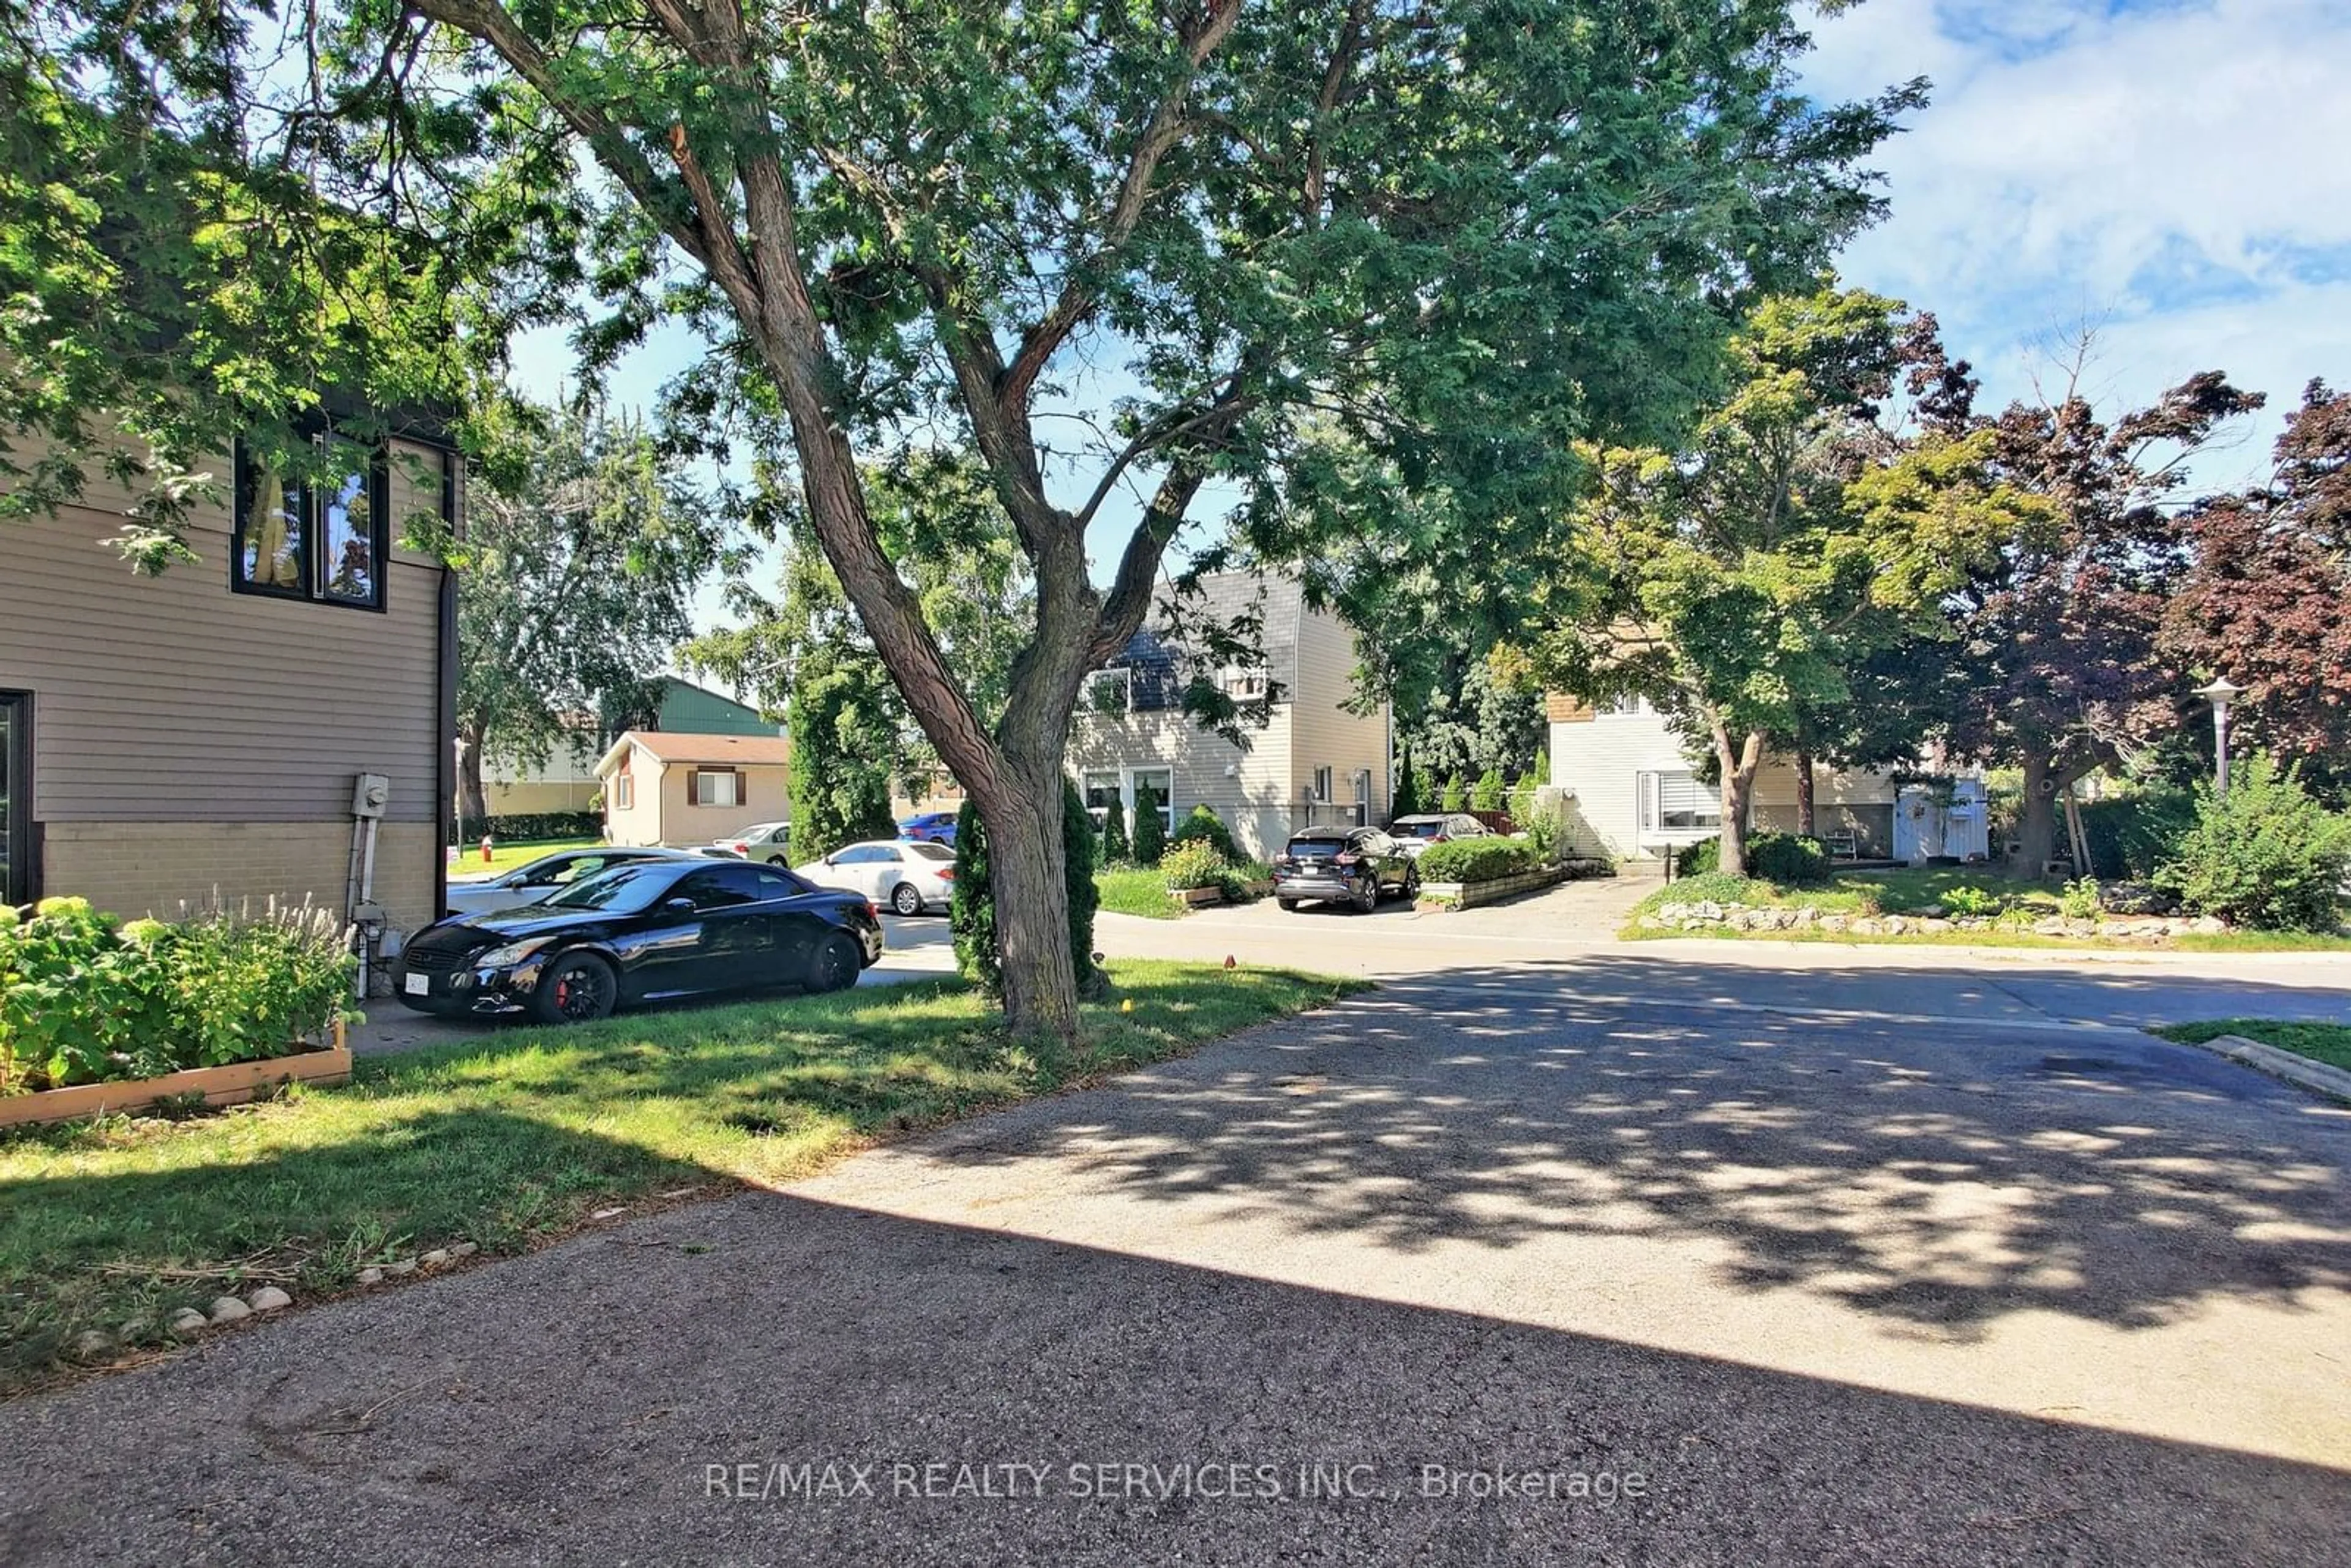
{"points": [[369, 793]]}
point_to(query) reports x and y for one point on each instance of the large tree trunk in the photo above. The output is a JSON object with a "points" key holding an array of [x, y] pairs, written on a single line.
{"points": [[1738, 761], [473, 796], [1807, 820], [1027, 860], [2036, 824]]}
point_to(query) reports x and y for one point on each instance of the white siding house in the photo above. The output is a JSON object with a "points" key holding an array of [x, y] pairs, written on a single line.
{"points": [[1634, 788], [1313, 761]]}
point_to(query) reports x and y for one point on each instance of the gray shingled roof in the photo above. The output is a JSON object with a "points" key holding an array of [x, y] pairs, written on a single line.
{"points": [[1154, 654]]}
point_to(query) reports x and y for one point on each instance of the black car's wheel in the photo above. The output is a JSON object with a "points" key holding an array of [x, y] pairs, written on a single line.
{"points": [[576, 989], [1411, 882], [906, 899], [1288, 905], [1367, 897], [834, 964]]}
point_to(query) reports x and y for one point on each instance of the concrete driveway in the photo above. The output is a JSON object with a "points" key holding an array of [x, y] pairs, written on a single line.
{"points": [[1809, 1282]]}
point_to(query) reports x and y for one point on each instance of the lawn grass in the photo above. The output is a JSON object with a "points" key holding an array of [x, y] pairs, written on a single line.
{"points": [[1907, 890], [515, 1137], [1137, 891], [505, 857], [2326, 1042]]}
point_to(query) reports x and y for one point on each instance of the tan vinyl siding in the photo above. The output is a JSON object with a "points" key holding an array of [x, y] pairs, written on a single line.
{"points": [[1253, 802], [661, 813], [1324, 734], [188, 738], [199, 704]]}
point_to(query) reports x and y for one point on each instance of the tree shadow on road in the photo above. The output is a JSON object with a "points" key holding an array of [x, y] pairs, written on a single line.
{"points": [[1935, 1178]]}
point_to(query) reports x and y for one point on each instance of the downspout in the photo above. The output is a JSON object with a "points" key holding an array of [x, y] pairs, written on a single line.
{"points": [[444, 793]]}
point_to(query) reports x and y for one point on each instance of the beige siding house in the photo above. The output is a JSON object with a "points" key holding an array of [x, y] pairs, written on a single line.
{"points": [[669, 786], [1633, 785], [164, 739], [1313, 762]]}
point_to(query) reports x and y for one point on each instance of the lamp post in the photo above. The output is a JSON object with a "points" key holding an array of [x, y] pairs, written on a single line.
{"points": [[2220, 694]]}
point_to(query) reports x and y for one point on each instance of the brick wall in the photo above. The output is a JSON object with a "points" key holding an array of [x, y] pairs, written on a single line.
{"points": [[133, 869]]}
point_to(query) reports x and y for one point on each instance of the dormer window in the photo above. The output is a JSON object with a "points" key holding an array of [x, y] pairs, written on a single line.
{"points": [[1109, 692], [1243, 684]]}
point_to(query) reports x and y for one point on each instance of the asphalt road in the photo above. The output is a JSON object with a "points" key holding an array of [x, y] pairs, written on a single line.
{"points": [[1798, 1280]]}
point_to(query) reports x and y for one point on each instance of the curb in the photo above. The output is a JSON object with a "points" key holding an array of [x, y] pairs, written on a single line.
{"points": [[2317, 1077]]}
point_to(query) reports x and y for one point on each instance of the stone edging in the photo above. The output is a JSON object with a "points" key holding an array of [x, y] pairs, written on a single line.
{"points": [[2299, 1070], [1468, 894]]}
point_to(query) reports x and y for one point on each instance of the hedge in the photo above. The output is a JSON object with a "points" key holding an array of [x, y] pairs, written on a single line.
{"points": [[1206, 827], [1476, 859], [1788, 858], [532, 825]]}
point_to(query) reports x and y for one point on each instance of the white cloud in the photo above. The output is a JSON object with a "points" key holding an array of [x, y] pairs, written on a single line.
{"points": [[2176, 170]]}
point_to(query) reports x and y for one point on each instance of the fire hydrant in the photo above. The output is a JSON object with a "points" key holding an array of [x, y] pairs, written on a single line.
{"points": [[485, 848]]}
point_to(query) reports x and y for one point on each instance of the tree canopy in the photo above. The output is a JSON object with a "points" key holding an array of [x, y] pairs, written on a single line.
{"points": [[1742, 582], [1459, 235], [582, 550]]}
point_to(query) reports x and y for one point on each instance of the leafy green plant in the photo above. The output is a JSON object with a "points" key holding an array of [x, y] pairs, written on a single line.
{"points": [[2079, 899], [1719, 887], [1408, 785], [1476, 860], [2266, 856], [1115, 848], [1150, 837], [1192, 865], [1204, 826], [1787, 859], [1698, 859], [1972, 901], [971, 913], [1486, 796], [1451, 800], [85, 1000]]}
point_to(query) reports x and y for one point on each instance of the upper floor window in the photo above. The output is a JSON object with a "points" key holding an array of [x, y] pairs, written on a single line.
{"points": [[1243, 683], [325, 539], [1110, 691], [1627, 706]]}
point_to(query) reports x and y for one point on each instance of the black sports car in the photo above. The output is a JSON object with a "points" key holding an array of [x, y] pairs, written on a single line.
{"points": [[642, 932]]}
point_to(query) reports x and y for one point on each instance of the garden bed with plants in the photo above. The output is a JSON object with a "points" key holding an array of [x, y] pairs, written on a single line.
{"points": [[1198, 865], [102, 1016], [2262, 869]]}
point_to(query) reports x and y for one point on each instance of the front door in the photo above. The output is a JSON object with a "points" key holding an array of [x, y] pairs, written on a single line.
{"points": [[15, 798]]}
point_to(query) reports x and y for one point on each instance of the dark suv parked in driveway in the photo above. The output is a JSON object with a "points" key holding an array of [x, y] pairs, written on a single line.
{"points": [[1361, 865]]}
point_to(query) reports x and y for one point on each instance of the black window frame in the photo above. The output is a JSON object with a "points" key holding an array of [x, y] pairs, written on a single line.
{"points": [[22, 881], [311, 507]]}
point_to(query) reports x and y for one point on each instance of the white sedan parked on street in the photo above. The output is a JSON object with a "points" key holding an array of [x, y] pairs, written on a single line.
{"points": [[906, 877]]}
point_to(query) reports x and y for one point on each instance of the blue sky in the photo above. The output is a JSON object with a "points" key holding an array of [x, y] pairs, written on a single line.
{"points": [[2177, 174]]}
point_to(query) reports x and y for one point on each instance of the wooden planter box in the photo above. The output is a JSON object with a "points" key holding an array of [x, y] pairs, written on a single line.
{"points": [[230, 1085], [1194, 897], [1470, 894]]}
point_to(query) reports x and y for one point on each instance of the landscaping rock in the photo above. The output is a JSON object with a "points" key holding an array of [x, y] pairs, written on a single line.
{"points": [[1835, 923], [1934, 922], [269, 1298], [1865, 926], [228, 1309], [188, 1321], [433, 1259], [137, 1331], [2207, 925], [2053, 925], [467, 1248], [1894, 926], [370, 1276], [405, 1265], [91, 1344]]}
